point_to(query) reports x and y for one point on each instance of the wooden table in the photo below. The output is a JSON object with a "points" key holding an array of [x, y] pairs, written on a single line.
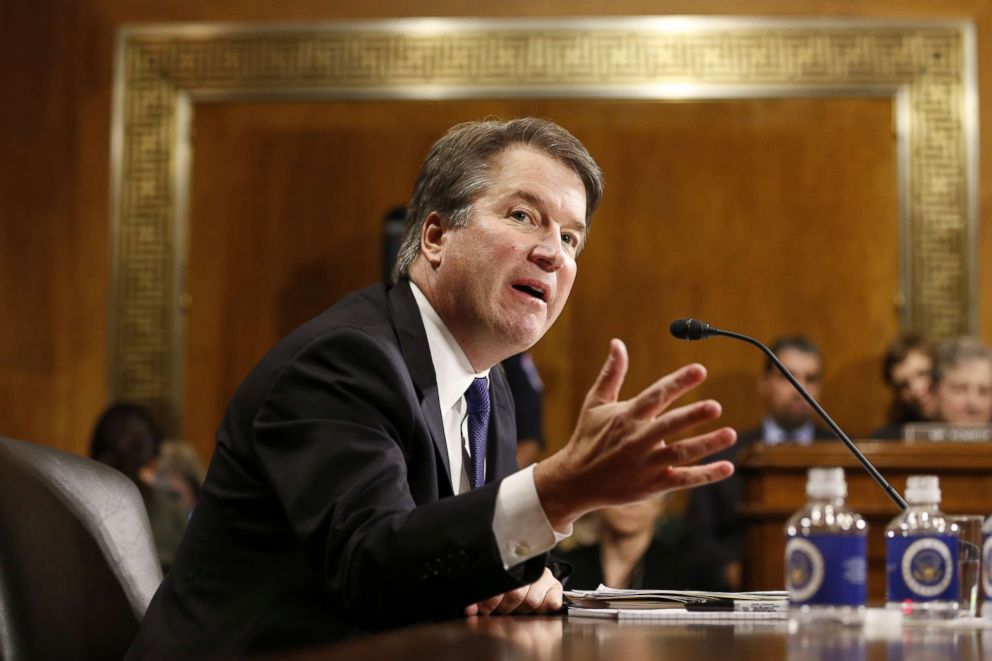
{"points": [[550, 638]]}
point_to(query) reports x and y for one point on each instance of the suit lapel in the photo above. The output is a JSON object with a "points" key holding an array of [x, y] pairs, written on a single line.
{"points": [[417, 354]]}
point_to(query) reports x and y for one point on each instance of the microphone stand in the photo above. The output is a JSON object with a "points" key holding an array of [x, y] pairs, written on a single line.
{"points": [[888, 488]]}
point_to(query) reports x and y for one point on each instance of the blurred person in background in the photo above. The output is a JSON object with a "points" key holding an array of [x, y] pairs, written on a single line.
{"points": [[907, 368], [962, 382], [641, 546], [528, 402], [180, 473], [788, 418], [127, 439]]}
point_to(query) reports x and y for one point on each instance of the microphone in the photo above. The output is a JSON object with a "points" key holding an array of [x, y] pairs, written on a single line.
{"points": [[694, 329]]}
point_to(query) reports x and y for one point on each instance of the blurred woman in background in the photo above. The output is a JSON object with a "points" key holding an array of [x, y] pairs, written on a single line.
{"points": [[127, 439], [642, 547], [908, 370]]}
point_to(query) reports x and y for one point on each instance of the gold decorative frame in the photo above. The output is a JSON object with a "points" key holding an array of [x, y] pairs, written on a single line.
{"points": [[927, 69]]}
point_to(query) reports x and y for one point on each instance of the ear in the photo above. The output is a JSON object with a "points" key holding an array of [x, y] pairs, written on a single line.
{"points": [[432, 239]]}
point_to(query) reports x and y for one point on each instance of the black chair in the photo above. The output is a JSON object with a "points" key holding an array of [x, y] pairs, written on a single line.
{"points": [[77, 561]]}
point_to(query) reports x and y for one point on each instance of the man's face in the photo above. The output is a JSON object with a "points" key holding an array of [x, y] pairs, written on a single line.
{"points": [[502, 280], [782, 402], [964, 394], [911, 381]]}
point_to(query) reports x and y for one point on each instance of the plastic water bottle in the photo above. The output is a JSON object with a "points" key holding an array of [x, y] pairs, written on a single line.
{"points": [[825, 554], [921, 555]]}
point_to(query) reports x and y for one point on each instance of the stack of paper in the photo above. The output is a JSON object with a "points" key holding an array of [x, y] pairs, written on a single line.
{"points": [[677, 604]]}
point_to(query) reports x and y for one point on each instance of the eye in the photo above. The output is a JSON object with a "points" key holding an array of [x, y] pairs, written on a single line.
{"points": [[571, 239], [521, 216]]}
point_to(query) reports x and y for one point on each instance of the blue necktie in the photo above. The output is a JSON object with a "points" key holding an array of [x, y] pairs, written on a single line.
{"points": [[477, 399]]}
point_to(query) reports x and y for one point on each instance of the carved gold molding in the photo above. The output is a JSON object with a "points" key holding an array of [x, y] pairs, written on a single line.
{"points": [[928, 70]]}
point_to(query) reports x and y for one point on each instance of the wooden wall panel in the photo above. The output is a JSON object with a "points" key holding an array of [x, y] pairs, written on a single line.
{"points": [[732, 211], [737, 213], [55, 106], [53, 336]]}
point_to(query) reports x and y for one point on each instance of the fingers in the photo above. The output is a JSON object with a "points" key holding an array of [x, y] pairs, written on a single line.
{"points": [[553, 599], [606, 389], [542, 596], [675, 477], [678, 421], [692, 450], [681, 419], [656, 398], [541, 600], [487, 606], [511, 600]]}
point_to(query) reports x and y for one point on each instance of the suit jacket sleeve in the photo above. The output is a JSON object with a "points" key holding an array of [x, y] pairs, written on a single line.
{"points": [[342, 439]]}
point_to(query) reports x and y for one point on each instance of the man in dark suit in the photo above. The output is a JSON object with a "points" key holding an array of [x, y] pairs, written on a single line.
{"points": [[354, 486], [715, 510]]}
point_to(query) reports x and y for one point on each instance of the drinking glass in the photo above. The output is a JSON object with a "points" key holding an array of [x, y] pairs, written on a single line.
{"points": [[969, 560]]}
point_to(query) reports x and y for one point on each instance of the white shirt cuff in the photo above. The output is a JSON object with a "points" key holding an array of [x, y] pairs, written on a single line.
{"points": [[520, 526]]}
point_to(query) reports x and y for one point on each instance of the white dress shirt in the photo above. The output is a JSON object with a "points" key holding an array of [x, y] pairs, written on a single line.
{"points": [[774, 434], [520, 526]]}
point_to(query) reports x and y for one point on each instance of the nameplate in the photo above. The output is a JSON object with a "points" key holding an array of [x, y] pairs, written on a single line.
{"points": [[942, 432]]}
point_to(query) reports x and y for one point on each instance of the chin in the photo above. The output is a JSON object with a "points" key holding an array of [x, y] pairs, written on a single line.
{"points": [[523, 336]]}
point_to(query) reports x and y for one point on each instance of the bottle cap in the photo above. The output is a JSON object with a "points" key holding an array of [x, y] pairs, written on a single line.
{"points": [[826, 483], [922, 489]]}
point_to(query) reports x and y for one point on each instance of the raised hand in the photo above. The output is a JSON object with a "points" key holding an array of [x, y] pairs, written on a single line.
{"points": [[618, 452]]}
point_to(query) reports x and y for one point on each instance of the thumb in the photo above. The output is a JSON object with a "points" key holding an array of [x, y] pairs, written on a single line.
{"points": [[606, 389]]}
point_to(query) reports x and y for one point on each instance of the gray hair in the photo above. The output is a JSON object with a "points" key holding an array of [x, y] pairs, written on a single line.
{"points": [[956, 351], [457, 170]]}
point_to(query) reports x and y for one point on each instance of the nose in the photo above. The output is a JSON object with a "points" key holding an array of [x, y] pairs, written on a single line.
{"points": [[548, 252]]}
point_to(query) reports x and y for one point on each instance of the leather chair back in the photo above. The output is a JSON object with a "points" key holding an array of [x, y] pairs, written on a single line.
{"points": [[77, 561]]}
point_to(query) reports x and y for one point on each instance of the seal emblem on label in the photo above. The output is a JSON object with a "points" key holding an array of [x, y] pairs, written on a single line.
{"points": [[927, 567], [805, 569]]}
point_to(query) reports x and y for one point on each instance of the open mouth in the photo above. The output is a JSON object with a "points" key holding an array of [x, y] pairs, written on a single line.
{"points": [[531, 291]]}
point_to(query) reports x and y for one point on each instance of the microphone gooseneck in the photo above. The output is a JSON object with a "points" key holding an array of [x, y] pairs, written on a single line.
{"points": [[694, 329]]}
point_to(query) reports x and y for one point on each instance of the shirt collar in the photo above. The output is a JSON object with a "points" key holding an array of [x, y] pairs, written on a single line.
{"points": [[451, 366], [774, 434]]}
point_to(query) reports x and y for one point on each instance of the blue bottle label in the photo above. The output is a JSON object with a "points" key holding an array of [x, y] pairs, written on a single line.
{"points": [[987, 567], [826, 570], [922, 568]]}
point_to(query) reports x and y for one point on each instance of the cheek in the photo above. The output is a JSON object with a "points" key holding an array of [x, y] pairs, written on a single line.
{"points": [[566, 279]]}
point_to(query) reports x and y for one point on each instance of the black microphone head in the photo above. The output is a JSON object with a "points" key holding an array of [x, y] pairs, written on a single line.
{"points": [[690, 329]]}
